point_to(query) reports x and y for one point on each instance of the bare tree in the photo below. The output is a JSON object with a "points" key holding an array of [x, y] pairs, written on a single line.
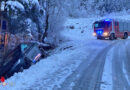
{"points": [[54, 20]]}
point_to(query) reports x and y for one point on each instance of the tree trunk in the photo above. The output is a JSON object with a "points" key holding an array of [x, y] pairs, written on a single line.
{"points": [[46, 28], [46, 21]]}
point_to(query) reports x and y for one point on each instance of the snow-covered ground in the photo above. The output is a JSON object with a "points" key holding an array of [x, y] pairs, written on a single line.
{"points": [[80, 46], [52, 71], [107, 74]]}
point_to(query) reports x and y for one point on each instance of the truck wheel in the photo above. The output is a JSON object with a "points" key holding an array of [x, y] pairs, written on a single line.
{"points": [[125, 35], [99, 37], [112, 36]]}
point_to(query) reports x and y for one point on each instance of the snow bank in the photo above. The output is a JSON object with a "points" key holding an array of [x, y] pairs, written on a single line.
{"points": [[34, 74], [77, 29], [49, 72]]}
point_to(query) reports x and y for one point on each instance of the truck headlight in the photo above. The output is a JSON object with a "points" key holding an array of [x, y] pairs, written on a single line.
{"points": [[94, 34], [105, 34]]}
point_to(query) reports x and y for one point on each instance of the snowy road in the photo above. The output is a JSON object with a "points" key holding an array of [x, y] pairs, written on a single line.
{"points": [[90, 65], [80, 63], [94, 74], [121, 66]]}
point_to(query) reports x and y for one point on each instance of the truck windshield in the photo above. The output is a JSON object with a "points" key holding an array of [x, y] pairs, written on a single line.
{"points": [[102, 24]]}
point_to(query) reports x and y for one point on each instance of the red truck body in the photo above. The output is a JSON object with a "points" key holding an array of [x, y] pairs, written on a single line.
{"points": [[111, 28]]}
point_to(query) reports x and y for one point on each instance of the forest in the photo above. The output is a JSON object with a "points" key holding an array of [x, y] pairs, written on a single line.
{"points": [[42, 20]]}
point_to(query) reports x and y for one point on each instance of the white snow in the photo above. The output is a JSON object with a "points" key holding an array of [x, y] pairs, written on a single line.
{"points": [[15, 4], [25, 1], [82, 29], [125, 74], [46, 67], [107, 73], [51, 72], [35, 2], [2, 6]]}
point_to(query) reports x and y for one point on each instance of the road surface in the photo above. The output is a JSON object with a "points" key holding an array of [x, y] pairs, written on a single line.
{"points": [[105, 69]]}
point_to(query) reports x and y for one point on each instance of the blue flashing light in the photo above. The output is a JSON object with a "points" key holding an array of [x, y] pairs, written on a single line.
{"points": [[34, 61], [107, 19], [99, 32]]}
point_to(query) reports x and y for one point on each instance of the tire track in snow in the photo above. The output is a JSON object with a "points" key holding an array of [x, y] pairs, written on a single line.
{"points": [[70, 80], [125, 73], [107, 73], [80, 79], [119, 57]]}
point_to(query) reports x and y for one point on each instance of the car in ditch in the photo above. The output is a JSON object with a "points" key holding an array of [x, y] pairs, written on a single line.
{"points": [[22, 57]]}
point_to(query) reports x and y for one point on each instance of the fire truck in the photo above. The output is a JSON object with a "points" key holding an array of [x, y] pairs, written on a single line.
{"points": [[111, 29]]}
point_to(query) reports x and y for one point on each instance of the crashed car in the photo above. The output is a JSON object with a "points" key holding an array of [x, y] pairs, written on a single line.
{"points": [[22, 57]]}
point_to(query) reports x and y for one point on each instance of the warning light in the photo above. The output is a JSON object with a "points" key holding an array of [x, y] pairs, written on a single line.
{"points": [[2, 79], [36, 58], [3, 83], [108, 19]]}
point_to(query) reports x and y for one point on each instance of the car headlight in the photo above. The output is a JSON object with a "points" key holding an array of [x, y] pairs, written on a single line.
{"points": [[94, 34], [105, 34]]}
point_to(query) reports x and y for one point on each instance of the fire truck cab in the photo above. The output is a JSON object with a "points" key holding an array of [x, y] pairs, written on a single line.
{"points": [[111, 28]]}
